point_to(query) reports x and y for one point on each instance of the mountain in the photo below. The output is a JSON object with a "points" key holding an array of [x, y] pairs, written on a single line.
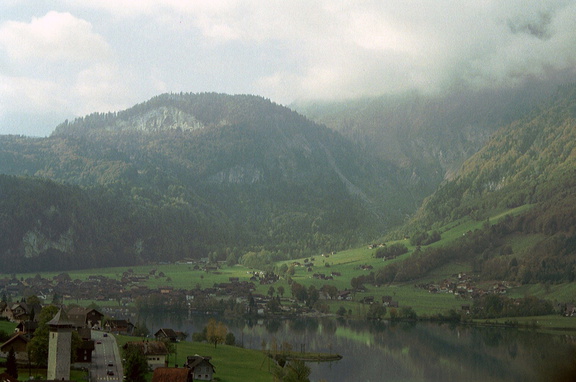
{"points": [[427, 137], [49, 226], [530, 161], [211, 174], [526, 177]]}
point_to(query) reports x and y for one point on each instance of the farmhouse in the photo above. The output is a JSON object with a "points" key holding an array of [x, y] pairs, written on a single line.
{"points": [[18, 342], [120, 326], [85, 318], [172, 374], [154, 351], [166, 334], [202, 369]]}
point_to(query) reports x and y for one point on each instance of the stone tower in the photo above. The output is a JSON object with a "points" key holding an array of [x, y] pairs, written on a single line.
{"points": [[59, 347]]}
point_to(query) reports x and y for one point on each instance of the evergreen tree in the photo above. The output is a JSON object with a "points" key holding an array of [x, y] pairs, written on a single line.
{"points": [[135, 367], [11, 367]]}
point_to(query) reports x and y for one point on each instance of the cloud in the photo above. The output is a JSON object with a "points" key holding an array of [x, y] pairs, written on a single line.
{"points": [[108, 54], [53, 37], [57, 63], [18, 93]]}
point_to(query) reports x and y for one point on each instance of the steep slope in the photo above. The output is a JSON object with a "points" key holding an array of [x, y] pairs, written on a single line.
{"points": [[528, 166], [231, 171], [427, 136], [532, 160]]}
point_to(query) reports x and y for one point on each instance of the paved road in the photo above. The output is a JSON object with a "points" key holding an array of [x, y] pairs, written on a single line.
{"points": [[106, 359]]}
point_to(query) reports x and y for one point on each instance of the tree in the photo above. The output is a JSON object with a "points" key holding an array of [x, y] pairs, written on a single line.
{"points": [[299, 292], [313, 296], [375, 312], [216, 332], [230, 339], [135, 366], [297, 372], [33, 300], [329, 291], [141, 330], [271, 291], [11, 367], [280, 291], [357, 283], [38, 345]]}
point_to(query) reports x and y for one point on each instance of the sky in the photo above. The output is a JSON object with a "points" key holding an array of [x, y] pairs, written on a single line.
{"points": [[62, 59]]}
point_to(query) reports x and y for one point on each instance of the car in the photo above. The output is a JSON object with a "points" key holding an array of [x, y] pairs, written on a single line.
{"points": [[110, 364], [110, 372], [98, 342], [105, 334]]}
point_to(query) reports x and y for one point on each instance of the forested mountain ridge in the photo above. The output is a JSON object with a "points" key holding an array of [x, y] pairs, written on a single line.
{"points": [[529, 166], [208, 173], [427, 136], [531, 160]]}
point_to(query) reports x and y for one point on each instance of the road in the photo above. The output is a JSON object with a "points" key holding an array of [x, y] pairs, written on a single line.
{"points": [[106, 361]]}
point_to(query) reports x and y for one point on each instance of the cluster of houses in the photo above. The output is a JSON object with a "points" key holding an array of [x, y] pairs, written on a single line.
{"points": [[125, 291], [196, 367], [464, 285], [387, 301], [83, 320]]}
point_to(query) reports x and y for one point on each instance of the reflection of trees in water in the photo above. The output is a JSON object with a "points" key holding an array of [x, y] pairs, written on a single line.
{"points": [[405, 351], [272, 326]]}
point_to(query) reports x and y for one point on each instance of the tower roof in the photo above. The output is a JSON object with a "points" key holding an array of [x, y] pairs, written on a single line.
{"points": [[60, 320]]}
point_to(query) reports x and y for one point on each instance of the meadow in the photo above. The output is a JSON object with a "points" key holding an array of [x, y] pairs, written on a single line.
{"points": [[232, 364]]}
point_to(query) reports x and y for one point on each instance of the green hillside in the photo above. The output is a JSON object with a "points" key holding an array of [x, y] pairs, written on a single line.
{"points": [[530, 166], [196, 175]]}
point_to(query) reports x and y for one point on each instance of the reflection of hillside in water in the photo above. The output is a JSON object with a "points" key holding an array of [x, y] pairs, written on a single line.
{"points": [[405, 352]]}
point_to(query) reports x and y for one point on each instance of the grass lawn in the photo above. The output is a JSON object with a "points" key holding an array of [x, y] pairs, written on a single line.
{"points": [[7, 326], [232, 364]]}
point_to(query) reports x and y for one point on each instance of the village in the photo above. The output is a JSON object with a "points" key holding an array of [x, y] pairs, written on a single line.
{"points": [[92, 328], [121, 297]]}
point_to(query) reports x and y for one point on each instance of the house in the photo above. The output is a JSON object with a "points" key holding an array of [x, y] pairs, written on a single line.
{"points": [[168, 334], [85, 318], [172, 374], [27, 326], [84, 351], [202, 369], [156, 352], [345, 295], [120, 326], [367, 300], [18, 342]]}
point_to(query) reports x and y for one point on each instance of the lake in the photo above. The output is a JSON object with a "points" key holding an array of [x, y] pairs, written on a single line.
{"points": [[404, 351]]}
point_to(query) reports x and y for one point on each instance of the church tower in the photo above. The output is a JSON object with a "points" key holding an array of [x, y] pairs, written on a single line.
{"points": [[59, 347]]}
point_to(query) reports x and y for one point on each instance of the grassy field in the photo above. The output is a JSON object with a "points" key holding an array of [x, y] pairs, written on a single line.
{"points": [[7, 326], [232, 364]]}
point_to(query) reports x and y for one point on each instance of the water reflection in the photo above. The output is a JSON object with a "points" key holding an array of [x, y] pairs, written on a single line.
{"points": [[405, 351]]}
